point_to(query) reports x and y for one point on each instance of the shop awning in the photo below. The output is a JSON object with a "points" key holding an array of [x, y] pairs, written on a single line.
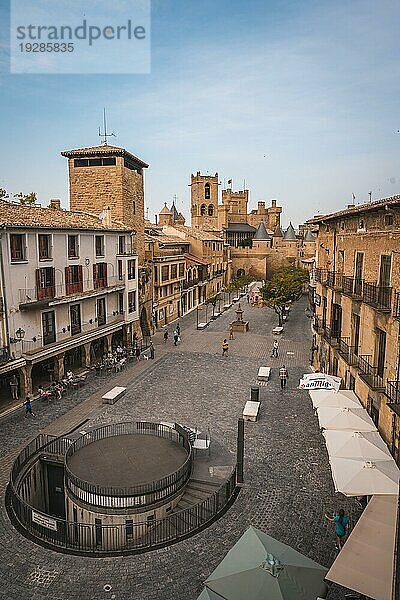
{"points": [[365, 564]]}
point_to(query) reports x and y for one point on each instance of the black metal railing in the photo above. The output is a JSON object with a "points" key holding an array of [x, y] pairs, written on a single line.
{"points": [[358, 286], [135, 495], [369, 373], [190, 283], [4, 354], [347, 285], [393, 391], [346, 351], [330, 279], [95, 539], [377, 296]]}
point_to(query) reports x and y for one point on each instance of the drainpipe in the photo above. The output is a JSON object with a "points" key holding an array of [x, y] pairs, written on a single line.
{"points": [[5, 319]]}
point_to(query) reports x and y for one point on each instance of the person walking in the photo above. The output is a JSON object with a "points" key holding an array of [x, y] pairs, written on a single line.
{"points": [[248, 298], [151, 349], [14, 387], [275, 348], [231, 332], [178, 329], [176, 337], [137, 353], [225, 348], [165, 335], [341, 527], [283, 376], [28, 407]]}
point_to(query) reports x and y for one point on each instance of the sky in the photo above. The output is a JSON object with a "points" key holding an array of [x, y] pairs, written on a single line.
{"points": [[298, 101]]}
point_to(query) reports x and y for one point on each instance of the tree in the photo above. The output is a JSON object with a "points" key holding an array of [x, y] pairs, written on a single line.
{"points": [[285, 286], [213, 301], [28, 199]]}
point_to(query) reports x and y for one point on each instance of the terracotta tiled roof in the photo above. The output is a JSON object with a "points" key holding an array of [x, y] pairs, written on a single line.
{"points": [[358, 208], [16, 215], [105, 149]]}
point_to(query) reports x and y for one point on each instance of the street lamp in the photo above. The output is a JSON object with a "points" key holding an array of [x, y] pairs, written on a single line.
{"points": [[19, 336]]}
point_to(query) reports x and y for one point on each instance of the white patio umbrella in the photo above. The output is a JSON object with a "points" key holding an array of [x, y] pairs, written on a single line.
{"points": [[359, 478], [340, 399], [358, 445], [351, 419]]}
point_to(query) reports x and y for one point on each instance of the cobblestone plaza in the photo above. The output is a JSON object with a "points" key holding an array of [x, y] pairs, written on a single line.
{"points": [[288, 485]]}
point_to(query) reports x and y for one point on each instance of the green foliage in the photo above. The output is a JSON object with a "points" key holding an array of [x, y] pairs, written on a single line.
{"points": [[285, 286], [212, 300], [29, 199]]}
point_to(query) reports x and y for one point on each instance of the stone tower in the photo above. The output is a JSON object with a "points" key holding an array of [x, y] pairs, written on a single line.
{"points": [[108, 176], [204, 201]]}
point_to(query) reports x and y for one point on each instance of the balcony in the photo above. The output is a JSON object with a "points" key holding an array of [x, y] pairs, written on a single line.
{"points": [[393, 391], [126, 250], [319, 274], [346, 351], [369, 373], [396, 305], [379, 297], [30, 296], [317, 325], [190, 284], [347, 285]]}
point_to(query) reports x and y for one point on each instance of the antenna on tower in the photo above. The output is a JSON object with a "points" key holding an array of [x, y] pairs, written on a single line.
{"points": [[104, 135]]}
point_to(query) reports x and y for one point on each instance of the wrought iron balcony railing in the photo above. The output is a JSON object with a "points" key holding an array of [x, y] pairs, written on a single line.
{"points": [[393, 391], [377, 296], [346, 351], [61, 290], [369, 373], [347, 285]]}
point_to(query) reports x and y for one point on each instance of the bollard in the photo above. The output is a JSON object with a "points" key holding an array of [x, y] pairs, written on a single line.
{"points": [[255, 394]]}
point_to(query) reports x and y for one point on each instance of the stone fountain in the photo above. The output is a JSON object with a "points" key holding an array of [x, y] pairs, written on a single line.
{"points": [[239, 324]]}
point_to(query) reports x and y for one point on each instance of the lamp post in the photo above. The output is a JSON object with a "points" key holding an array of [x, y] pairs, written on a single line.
{"points": [[19, 336]]}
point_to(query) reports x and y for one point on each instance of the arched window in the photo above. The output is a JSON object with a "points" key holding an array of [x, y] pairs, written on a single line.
{"points": [[203, 209], [210, 210], [240, 273], [207, 191]]}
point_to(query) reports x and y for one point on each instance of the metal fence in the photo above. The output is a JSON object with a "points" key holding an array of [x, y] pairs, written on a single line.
{"points": [[96, 538]]}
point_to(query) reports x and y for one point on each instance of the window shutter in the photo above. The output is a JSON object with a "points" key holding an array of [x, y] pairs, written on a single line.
{"points": [[39, 289]]}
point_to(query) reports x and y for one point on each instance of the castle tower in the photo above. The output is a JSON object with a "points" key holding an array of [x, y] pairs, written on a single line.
{"points": [[165, 217], [204, 201], [237, 203], [108, 176]]}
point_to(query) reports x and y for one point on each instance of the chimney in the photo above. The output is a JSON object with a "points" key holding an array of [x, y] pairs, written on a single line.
{"points": [[273, 203], [106, 219], [55, 203], [261, 207]]}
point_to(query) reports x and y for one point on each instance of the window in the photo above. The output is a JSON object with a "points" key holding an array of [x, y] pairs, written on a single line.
{"points": [[17, 247], [99, 275], [131, 302], [105, 161], [358, 273], [381, 351], [181, 270], [210, 210], [165, 273], [75, 317], [131, 269], [44, 244], [120, 274], [361, 224], [202, 210], [356, 334], [45, 287], [98, 532], [121, 303], [155, 274], [336, 326], [73, 279], [389, 219], [174, 271], [121, 244], [48, 327], [99, 244], [384, 270], [101, 312], [73, 246], [207, 191], [324, 309]]}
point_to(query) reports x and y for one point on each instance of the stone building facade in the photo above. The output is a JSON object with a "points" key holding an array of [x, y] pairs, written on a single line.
{"points": [[258, 245], [357, 307], [70, 292]]}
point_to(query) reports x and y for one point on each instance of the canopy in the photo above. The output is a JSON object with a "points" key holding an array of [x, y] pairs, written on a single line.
{"points": [[259, 567], [365, 563], [360, 478], [340, 399], [353, 419], [359, 445]]}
